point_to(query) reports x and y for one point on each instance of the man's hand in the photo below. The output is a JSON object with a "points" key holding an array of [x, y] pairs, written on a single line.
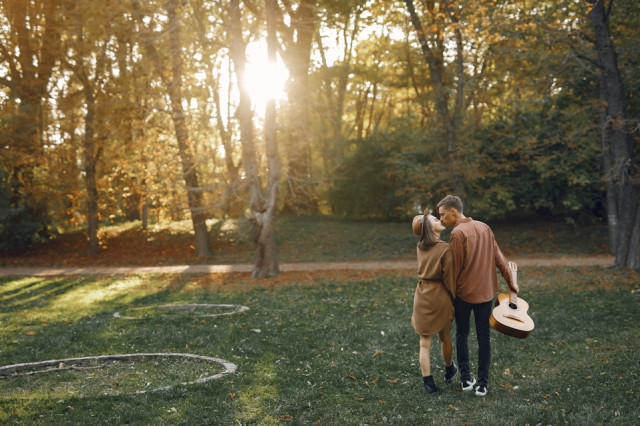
{"points": [[514, 288]]}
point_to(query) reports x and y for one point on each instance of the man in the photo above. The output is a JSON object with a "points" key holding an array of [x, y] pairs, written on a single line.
{"points": [[475, 258]]}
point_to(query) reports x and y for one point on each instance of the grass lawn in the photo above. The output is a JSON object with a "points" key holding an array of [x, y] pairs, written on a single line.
{"points": [[299, 239], [322, 348]]}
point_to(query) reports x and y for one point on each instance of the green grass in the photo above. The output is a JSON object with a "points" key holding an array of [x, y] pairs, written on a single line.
{"points": [[299, 239], [330, 239], [313, 351]]}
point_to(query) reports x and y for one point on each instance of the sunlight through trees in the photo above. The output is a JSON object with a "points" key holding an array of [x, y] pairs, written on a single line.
{"points": [[130, 110]]}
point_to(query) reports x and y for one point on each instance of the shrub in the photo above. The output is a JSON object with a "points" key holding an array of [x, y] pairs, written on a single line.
{"points": [[21, 223]]}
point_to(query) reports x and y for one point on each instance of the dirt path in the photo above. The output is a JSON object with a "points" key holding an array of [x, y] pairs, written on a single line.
{"points": [[285, 267]]}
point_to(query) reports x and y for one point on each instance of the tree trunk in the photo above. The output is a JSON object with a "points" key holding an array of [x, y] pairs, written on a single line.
{"points": [[262, 206], [144, 205], [266, 244], [90, 160], [617, 152], [173, 86], [611, 202], [297, 56], [90, 144], [233, 200], [189, 172]]}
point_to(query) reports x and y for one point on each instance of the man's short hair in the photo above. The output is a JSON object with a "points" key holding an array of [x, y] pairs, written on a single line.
{"points": [[451, 201]]}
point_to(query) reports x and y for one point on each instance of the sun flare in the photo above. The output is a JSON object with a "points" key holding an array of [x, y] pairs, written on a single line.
{"points": [[263, 79]]}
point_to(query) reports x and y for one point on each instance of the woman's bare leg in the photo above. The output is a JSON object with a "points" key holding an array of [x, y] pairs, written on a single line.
{"points": [[425, 354], [447, 346]]}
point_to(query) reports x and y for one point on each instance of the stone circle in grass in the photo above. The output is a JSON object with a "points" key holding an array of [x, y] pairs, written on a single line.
{"points": [[197, 309], [113, 374]]}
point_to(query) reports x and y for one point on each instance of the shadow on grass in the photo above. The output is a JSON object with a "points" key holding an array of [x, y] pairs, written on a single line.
{"points": [[337, 352]]}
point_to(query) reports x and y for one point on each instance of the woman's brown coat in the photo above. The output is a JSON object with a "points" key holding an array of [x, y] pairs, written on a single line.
{"points": [[433, 299]]}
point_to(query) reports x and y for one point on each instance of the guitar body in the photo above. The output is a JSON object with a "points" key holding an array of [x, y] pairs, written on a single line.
{"points": [[506, 319], [510, 313]]}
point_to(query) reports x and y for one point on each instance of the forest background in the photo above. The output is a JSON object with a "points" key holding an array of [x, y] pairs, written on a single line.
{"points": [[190, 109]]}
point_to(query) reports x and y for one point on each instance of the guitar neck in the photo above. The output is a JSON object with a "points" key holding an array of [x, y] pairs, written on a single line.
{"points": [[513, 267]]}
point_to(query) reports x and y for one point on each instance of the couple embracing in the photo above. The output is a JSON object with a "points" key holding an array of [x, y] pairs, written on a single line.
{"points": [[456, 279]]}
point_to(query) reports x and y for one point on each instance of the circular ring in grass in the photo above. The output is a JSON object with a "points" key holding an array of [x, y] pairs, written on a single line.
{"points": [[115, 374], [194, 308]]}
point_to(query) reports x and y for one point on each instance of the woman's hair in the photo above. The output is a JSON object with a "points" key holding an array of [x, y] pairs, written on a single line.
{"points": [[428, 237]]}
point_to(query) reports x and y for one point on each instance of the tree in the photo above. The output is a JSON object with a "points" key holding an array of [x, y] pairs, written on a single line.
{"points": [[620, 163], [433, 50], [29, 51], [89, 62], [262, 203], [296, 54], [171, 78], [214, 59]]}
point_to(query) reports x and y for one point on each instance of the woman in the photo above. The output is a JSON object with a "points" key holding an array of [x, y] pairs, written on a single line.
{"points": [[433, 301]]}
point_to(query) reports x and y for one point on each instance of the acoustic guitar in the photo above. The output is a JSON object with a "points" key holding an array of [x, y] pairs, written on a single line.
{"points": [[509, 316]]}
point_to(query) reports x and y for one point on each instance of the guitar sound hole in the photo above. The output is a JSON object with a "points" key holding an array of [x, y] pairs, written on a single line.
{"points": [[513, 306]]}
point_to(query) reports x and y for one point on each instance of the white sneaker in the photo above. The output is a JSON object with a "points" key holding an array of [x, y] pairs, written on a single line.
{"points": [[467, 385], [481, 390]]}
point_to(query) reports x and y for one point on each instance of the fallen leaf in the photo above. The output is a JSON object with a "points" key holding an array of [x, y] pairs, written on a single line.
{"points": [[31, 333], [377, 352], [232, 395], [360, 399], [350, 377], [393, 381], [507, 372], [453, 406]]}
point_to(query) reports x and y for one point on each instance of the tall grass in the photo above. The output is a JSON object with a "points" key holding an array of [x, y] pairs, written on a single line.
{"points": [[316, 350]]}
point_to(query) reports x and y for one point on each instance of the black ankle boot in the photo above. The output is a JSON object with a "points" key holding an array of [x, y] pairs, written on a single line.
{"points": [[429, 384], [451, 372]]}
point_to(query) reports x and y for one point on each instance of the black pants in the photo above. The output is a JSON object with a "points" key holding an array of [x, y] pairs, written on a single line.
{"points": [[481, 313]]}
